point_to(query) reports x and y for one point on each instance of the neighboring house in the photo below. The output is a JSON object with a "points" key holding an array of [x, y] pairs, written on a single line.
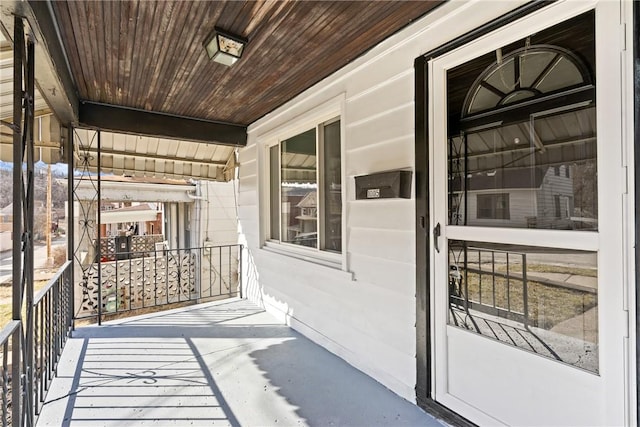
{"points": [[137, 218], [186, 213], [541, 197], [6, 214]]}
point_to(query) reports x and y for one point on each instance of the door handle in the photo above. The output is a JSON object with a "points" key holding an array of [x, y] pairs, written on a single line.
{"points": [[436, 236]]}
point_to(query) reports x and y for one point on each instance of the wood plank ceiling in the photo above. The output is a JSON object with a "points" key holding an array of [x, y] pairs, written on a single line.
{"points": [[149, 55]]}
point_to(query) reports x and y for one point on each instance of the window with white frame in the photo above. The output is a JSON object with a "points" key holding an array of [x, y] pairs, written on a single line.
{"points": [[305, 203]]}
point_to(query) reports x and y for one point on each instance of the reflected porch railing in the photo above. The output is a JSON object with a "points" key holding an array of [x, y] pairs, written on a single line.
{"points": [[536, 299], [499, 287]]}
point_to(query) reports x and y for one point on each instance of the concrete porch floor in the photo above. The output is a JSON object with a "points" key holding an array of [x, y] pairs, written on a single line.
{"points": [[223, 363]]}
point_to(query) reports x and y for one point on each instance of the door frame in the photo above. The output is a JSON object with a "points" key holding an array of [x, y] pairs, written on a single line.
{"points": [[635, 32], [424, 309]]}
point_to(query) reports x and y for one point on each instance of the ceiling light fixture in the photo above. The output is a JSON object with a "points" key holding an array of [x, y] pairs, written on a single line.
{"points": [[223, 47]]}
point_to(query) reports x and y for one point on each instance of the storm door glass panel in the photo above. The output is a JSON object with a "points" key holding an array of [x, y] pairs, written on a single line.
{"points": [[332, 188], [299, 190], [543, 300], [509, 176], [525, 157]]}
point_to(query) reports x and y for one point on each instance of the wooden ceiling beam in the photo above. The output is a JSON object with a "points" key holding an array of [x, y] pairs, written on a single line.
{"points": [[141, 122]]}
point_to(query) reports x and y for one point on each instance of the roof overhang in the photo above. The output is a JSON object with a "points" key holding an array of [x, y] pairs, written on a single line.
{"points": [[52, 74], [136, 67]]}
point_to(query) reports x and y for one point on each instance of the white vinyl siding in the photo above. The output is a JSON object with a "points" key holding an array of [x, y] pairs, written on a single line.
{"points": [[365, 313]]}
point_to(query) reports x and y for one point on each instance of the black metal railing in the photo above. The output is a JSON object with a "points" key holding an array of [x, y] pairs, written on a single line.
{"points": [[52, 324], [53, 321], [11, 391], [153, 278], [142, 280]]}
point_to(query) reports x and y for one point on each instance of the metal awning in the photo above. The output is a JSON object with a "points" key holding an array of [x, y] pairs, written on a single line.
{"points": [[140, 213], [47, 128], [144, 156]]}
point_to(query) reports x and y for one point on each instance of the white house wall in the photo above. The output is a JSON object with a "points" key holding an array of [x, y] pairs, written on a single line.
{"points": [[365, 314], [217, 213]]}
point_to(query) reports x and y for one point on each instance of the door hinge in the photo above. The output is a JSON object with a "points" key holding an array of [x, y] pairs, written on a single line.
{"points": [[623, 36]]}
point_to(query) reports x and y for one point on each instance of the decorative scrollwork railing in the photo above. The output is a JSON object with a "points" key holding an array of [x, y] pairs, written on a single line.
{"points": [[152, 278]]}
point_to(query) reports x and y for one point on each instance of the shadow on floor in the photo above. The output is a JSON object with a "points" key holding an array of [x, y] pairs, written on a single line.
{"points": [[329, 392], [222, 364]]}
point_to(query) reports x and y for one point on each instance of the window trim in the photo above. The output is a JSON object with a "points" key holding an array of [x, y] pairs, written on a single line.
{"points": [[323, 114]]}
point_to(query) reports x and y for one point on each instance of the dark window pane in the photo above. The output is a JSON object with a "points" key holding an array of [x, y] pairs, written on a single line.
{"points": [[542, 300], [299, 190], [493, 206], [332, 188]]}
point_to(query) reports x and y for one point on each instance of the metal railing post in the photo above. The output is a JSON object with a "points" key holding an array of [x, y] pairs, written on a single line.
{"points": [[29, 233], [525, 291], [98, 246], [70, 226], [240, 278], [18, 56]]}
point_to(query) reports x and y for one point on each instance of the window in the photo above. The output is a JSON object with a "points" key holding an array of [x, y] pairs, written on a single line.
{"points": [[305, 202], [493, 206]]}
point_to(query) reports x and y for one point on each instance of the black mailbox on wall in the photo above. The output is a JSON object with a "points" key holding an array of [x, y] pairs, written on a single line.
{"points": [[384, 185]]}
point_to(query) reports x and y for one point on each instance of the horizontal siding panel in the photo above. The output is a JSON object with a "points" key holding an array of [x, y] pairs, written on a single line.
{"points": [[312, 272], [369, 350], [248, 183], [379, 70], [377, 322], [248, 197], [248, 153], [382, 214], [394, 154], [385, 244], [291, 278], [397, 277], [397, 124], [248, 169], [388, 95]]}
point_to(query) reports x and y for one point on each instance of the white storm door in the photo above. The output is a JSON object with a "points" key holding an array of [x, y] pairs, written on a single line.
{"points": [[527, 214]]}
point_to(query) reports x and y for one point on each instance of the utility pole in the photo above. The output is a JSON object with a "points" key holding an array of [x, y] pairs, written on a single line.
{"points": [[48, 222]]}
